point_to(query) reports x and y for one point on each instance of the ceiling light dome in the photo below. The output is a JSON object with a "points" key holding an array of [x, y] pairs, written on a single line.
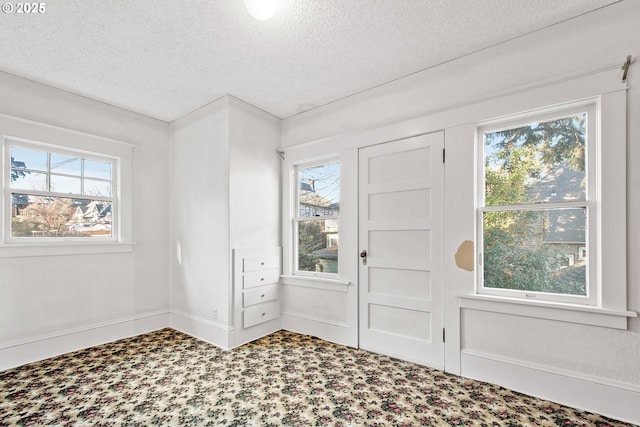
{"points": [[261, 9]]}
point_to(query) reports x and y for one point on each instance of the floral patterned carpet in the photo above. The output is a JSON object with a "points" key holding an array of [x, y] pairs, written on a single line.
{"points": [[167, 378]]}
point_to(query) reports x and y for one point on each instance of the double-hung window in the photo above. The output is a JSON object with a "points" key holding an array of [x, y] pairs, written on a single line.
{"points": [[317, 219], [537, 215], [53, 194]]}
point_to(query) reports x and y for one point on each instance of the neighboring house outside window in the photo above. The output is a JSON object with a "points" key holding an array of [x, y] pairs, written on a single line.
{"points": [[316, 224], [537, 219]]}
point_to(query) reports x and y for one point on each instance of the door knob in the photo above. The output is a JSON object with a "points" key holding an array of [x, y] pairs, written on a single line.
{"points": [[363, 255]]}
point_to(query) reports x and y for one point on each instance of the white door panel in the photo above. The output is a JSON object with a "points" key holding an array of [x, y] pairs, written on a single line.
{"points": [[400, 205], [400, 227], [395, 301], [387, 167], [400, 283], [400, 322]]}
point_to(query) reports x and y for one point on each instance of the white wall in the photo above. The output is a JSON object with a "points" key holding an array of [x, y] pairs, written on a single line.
{"points": [[199, 195], [225, 190], [54, 304], [254, 177], [587, 366]]}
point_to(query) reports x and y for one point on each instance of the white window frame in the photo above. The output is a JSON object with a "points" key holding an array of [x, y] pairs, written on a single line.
{"points": [[30, 145], [592, 174], [604, 87], [296, 218], [61, 139]]}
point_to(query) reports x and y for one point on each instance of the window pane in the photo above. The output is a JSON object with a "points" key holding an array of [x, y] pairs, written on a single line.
{"points": [[318, 246], [28, 180], [95, 169], [319, 188], [29, 159], [65, 164], [97, 188], [65, 184], [537, 163], [536, 251], [40, 216]]}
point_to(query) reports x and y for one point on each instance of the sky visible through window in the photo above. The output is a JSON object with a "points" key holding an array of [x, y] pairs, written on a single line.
{"points": [[67, 174], [324, 180]]}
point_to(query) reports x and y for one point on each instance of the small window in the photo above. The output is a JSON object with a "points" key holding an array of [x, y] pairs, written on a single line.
{"points": [[58, 195], [537, 220], [316, 219]]}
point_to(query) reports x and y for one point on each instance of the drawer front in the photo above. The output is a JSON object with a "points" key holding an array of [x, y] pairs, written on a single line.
{"points": [[258, 295], [260, 313], [261, 263], [259, 278]]}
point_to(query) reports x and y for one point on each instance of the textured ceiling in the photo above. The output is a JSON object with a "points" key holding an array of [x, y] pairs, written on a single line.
{"points": [[165, 58]]}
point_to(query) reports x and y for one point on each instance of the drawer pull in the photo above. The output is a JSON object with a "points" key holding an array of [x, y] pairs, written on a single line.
{"points": [[262, 263], [262, 296], [264, 314], [262, 279]]}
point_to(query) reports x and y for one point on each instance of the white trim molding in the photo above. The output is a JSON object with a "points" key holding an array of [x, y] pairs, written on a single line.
{"points": [[614, 399], [16, 250], [60, 139], [335, 285], [326, 329], [572, 313], [214, 333], [41, 347]]}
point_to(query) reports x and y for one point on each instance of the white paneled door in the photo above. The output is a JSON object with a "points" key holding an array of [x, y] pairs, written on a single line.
{"points": [[400, 235]]}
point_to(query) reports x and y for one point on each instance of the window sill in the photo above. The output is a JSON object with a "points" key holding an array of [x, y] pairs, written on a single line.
{"points": [[316, 282], [18, 250], [572, 313]]}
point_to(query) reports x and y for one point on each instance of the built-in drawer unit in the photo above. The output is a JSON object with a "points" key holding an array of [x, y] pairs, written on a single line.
{"points": [[256, 292]]}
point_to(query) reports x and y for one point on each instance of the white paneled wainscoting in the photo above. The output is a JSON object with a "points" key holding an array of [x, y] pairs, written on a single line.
{"points": [[615, 399]]}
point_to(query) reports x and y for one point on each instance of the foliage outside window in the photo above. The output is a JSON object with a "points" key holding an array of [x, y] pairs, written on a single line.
{"points": [[535, 216], [58, 195], [317, 219]]}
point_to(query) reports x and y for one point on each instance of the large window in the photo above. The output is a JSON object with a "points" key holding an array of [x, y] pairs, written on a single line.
{"points": [[537, 216], [52, 194], [316, 219]]}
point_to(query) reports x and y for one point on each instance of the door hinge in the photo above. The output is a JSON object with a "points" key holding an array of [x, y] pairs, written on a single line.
{"points": [[443, 155], [443, 336]]}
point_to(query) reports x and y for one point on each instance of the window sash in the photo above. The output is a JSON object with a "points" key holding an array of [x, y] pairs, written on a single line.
{"points": [[296, 219], [537, 206], [296, 255], [62, 195], [49, 150], [590, 205]]}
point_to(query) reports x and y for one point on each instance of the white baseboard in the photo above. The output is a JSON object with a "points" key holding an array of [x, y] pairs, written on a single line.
{"points": [[45, 346], [214, 333], [327, 330], [614, 399]]}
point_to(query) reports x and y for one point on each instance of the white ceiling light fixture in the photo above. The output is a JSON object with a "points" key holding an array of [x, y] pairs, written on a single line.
{"points": [[261, 9]]}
